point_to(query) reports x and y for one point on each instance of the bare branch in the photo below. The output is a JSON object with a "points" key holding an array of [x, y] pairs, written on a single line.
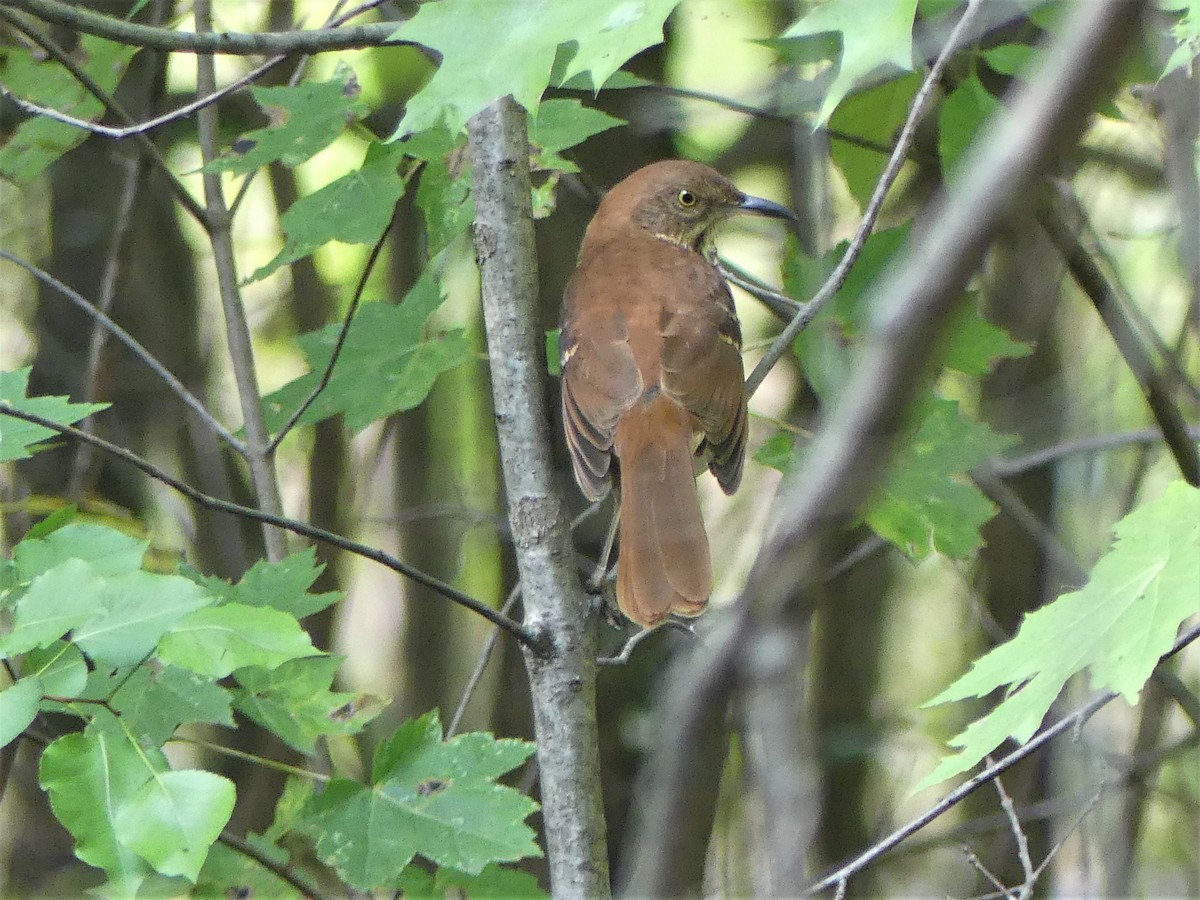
{"points": [[1008, 467], [110, 103], [1069, 723], [230, 43], [293, 525]]}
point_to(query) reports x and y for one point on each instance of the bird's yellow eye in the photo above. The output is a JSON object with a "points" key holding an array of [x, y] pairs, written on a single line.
{"points": [[687, 199]]}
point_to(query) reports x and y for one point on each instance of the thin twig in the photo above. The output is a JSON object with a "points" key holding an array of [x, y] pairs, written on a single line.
{"points": [[627, 650], [1106, 298], [337, 345], [485, 656], [778, 302], [1068, 723], [978, 866], [1014, 823], [279, 870], [293, 525], [1017, 465], [107, 100], [838, 276], [134, 347]]}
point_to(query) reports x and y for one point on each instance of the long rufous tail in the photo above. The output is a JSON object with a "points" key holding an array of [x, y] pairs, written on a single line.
{"points": [[664, 563]]}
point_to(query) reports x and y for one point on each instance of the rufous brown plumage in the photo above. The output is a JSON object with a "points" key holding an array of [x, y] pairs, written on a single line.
{"points": [[652, 375]]}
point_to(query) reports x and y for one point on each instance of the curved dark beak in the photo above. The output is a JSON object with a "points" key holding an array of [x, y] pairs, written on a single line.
{"points": [[767, 208]]}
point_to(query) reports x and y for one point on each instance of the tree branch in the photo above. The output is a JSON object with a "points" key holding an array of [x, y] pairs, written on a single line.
{"points": [[1107, 300], [562, 672], [230, 43], [293, 525], [259, 453]]}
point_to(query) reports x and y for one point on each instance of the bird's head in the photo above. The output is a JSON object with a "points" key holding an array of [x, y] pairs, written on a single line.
{"points": [[683, 202]]}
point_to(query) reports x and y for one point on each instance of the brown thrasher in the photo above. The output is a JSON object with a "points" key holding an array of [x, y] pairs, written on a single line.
{"points": [[651, 361]]}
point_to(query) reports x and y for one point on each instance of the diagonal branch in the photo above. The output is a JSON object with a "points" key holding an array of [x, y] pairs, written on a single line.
{"points": [[871, 214], [148, 147], [1107, 300], [295, 526], [134, 347]]}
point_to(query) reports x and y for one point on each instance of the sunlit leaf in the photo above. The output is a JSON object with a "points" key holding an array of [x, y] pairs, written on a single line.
{"points": [[354, 209], [304, 119], [874, 33], [1116, 627], [386, 366], [478, 67], [217, 640], [173, 819], [18, 707]]}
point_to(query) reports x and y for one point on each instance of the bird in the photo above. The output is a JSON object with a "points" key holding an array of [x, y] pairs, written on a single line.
{"points": [[652, 382]]}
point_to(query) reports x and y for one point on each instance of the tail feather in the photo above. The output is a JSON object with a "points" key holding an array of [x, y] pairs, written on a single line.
{"points": [[664, 564]]}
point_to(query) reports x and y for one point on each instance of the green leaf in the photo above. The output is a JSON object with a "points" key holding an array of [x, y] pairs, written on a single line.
{"points": [[228, 873], [478, 68], [561, 124], [173, 819], [924, 504], [960, 118], [1187, 33], [1009, 59], [977, 344], [305, 119], [108, 551], [19, 707], [1116, 627], [282, 585], [89, 776], [134, 611], [874, 33], [435, 798], [495, 881], [385, 367], [61, 667], [154, 702], [55, 602], [17, 436], [295, 701], [29, 74], [354, 209], [870, 116], [777, 451], [217, 640], [444, 198]]}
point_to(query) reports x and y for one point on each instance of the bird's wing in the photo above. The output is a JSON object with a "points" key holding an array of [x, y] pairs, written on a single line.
{"points": [[600, 381], [702, 370]]}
